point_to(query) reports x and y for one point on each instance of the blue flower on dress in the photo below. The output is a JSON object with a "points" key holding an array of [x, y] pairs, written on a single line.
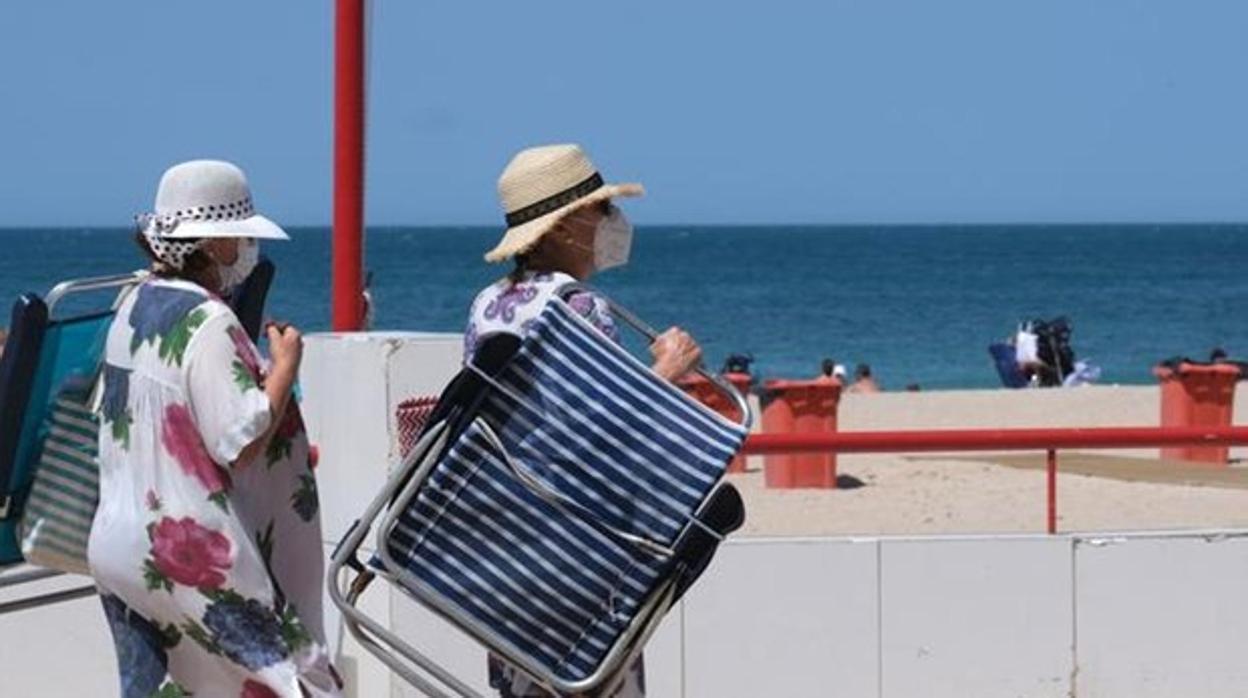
{"points": [[116, 392], [141, 654], [157, 310], [116, 400], [246, 631], [305, 501], [166, 317]]}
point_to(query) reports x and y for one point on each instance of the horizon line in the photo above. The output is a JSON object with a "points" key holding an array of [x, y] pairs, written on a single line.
{"points": [[5, 227]]}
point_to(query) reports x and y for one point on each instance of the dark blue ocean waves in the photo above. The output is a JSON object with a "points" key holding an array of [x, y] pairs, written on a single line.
{"points": [[920, 304]]}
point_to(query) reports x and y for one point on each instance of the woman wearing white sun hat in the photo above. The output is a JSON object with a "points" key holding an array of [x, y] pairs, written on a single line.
{"points": [[561, 227], [206, 545]]}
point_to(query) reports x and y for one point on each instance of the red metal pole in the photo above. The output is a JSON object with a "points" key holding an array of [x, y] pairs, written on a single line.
{"points": [[1052, 491], [991, 439], [348, 308]]}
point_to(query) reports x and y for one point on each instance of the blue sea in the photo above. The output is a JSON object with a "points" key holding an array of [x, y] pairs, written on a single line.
{"points": [[919, 304]]}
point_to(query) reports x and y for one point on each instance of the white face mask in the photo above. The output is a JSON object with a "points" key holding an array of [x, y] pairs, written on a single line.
{"points": [[612, 241], [233, 275]]}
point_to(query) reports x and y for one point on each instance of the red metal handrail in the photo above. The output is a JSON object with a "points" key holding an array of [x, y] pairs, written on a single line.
{"points": [[993, 439], [1048, 440]]}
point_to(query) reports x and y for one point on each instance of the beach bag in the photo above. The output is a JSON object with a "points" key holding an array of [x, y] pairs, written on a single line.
{"points": [[56, 520], [412, 415]]}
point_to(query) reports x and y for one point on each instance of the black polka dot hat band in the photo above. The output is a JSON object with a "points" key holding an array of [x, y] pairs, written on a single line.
{"points": [[169, 252], [206, 199]]}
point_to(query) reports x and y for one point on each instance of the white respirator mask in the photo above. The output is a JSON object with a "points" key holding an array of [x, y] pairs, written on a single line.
{"points": [[233, 275], [612, 241]]}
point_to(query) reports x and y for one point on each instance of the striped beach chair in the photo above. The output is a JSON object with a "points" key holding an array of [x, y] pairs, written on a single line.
{"points": [[47, 373], [560, 500]]}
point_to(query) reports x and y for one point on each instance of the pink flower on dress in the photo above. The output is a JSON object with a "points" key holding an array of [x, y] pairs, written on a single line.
{"points": [[253, 689], [190, 554], [181, 438], [246, 351]]}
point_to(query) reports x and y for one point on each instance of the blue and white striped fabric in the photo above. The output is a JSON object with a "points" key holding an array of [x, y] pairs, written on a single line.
{"points": [[598, 428], [57, 519]]}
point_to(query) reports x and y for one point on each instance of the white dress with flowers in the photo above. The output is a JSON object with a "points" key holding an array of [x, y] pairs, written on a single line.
{"points": [[210, 573]]}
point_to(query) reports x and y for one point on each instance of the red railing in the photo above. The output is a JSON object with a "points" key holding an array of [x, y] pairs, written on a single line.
{"points": [[1048, 440]]}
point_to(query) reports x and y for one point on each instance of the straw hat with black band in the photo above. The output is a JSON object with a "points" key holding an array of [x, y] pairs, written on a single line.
{"points": [[540, 186]]}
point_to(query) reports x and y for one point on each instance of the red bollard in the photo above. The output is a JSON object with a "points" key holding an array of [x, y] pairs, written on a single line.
{"points": [[801, 407], [705, 392], [1197, 395]]}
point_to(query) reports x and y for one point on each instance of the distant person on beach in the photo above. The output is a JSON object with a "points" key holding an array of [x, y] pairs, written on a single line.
{"points": [[830, 369], [863, 381], [206, 546], [562, 227], [1219, 356]]}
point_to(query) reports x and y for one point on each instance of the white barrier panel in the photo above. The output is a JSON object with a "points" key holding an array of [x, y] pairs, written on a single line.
{"points": [[1161, 617], [1032, 616], [63, 649], [352, 384], [1136, 616], [976, 617], [784, 618]]}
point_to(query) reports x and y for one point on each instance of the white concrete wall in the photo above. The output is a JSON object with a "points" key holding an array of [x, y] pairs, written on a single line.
{"points": [[1133, 615], [63, 649], [352, 384], [1018, 616]]}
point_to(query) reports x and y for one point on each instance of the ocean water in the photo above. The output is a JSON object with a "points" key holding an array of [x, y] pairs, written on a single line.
{"points": [[919, 304]]}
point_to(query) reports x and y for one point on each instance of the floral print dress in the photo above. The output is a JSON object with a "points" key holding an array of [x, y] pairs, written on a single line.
{"points": [[510, 306], [210, 570]]}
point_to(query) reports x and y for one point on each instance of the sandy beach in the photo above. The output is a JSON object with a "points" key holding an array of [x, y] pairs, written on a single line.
{"points": [[993, 493]]}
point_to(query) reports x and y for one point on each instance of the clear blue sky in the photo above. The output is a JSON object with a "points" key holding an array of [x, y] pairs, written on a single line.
{"points": [[776, 111]]}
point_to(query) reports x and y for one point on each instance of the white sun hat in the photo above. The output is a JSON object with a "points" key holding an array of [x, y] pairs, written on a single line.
{"points": [[542, 185], [208, 199]]}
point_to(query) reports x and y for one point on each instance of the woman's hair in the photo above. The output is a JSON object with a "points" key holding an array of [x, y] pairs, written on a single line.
{"points": [[193, 267], [516, 275], [524, 260]]}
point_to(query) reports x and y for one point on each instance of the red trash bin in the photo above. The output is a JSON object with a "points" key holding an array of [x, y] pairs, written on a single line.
{"points": [[801, 407], [705, 392], [1197, 395]]}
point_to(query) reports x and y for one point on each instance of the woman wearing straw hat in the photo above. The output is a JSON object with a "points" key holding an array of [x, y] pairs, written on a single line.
{"points": [[561, 227], [206, 545]]}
